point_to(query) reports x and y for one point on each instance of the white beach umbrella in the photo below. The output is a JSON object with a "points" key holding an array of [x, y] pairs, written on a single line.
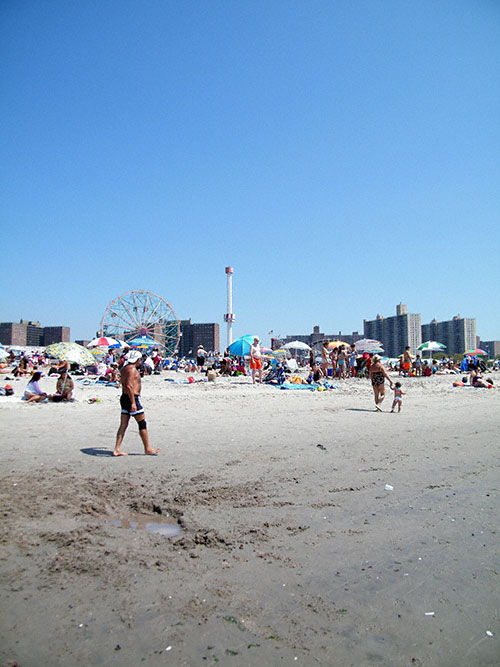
{"points": [[369, 345], [281, 353], [296, 345]]}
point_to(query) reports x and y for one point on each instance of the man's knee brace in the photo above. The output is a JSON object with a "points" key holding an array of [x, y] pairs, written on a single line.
{"points": [[142, 425]]}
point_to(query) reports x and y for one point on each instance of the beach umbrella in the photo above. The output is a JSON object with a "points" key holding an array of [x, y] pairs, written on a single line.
{"points": [[98, 352], [337, 343], [120, 345], [369, 345], [297, 345], [71, 352], [142, 342], [3, 354], [104, 341], [277, 354], [477, 352], [431, 345], [241, 346]]}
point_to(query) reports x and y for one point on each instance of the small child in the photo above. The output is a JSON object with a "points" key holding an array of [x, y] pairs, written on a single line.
{"points": [[398, 396], [316, 373]]}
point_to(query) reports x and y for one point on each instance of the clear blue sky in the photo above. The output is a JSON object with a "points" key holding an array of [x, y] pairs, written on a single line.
{"points": [[342, 156]]}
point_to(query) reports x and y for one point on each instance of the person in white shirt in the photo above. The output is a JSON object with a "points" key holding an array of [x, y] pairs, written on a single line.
{"points": [[33, 393]]}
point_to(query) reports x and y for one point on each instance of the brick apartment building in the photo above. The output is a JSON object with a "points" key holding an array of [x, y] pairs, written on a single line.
{"points": [[193, 335], [28, 332], [316, 336]]}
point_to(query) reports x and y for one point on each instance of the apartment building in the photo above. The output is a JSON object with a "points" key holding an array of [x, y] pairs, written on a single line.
{"points": [[396, 332], [458, 334], [194, 334], [28, 332]]}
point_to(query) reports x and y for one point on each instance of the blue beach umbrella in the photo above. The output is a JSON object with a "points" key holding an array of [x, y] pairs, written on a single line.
{"points": [[241, 346]]}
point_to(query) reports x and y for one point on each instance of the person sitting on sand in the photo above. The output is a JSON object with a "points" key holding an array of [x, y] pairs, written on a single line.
{"points": [[426, 369], [112, 373], [226, 363], [315, 375], [22, 367], [130, 404], [211, 374], [398, 397], [378, 375], [64, 388], [101, 369], [33, 393]]}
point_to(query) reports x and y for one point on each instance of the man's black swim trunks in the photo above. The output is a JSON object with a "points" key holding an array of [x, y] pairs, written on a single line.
{"points": [[126, 405]]}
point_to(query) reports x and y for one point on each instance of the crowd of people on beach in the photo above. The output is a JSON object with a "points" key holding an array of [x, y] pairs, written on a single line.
{"points": [[321, 367], [125, 368]]}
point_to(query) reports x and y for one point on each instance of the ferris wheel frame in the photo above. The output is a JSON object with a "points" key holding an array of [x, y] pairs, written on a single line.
{"points": [[133, 321]]}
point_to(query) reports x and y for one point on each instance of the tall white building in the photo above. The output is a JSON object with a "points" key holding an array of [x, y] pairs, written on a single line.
{"points": [[396, 332], [458, 334]]}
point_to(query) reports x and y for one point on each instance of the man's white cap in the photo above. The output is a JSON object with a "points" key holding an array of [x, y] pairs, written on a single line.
{"points": [[132, 356]]}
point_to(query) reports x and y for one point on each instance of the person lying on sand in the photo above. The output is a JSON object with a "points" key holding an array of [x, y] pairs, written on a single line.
{"points": [[130, 404], [477, 380]]}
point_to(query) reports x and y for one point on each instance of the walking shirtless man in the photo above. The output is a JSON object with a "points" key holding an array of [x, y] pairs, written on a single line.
{"points": [[131, 405]]}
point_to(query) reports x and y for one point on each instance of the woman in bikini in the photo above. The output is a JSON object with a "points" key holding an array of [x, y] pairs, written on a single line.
{"points": [[333, 360], [341, 362], [378, 375]]}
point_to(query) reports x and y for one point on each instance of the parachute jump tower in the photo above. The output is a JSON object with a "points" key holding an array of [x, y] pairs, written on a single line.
{"points": [[229, 316]]}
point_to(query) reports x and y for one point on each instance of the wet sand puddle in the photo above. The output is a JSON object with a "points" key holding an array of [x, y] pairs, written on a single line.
{"points": [[166, 526]]}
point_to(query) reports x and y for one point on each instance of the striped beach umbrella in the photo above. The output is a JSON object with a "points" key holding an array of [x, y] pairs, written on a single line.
{"points": [[104, 341]]}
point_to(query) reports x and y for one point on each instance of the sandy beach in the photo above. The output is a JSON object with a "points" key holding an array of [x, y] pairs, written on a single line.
{"points": [[278, 551]]}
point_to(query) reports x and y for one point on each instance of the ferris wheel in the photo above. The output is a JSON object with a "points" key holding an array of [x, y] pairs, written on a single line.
{"points": [[141, 313]]}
